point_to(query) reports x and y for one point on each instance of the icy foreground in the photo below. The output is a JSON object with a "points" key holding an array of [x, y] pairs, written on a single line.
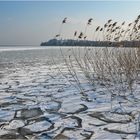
{"points": [[38, 102]]}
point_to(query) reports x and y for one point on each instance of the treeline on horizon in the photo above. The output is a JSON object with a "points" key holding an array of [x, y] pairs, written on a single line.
{"points": [[111, 33], [72, 42]]}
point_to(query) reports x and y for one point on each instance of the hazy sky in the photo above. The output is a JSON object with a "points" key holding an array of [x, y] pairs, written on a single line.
{"points": [[23, 22]]}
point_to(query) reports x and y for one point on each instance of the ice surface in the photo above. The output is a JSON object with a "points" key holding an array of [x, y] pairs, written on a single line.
{"points": [[38, 101]]}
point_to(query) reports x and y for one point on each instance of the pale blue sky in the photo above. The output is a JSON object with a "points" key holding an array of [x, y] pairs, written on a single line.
{"points": [[32, 22]]}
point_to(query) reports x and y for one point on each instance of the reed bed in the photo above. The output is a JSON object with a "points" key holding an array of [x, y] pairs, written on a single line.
{"points": [[115, 68], [115, 64]]}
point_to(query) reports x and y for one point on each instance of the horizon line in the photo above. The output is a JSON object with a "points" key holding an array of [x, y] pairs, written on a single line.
{"points": [[19, 45]]}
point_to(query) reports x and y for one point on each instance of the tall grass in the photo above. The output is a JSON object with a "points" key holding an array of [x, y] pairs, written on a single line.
{"points": [[118, 65], [115, 68]]}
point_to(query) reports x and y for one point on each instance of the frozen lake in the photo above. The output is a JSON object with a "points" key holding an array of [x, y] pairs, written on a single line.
{"points": [[39, 99]]}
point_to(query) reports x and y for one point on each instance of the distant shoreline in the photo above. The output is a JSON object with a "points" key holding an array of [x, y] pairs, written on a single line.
{"points": [[71, 42]]}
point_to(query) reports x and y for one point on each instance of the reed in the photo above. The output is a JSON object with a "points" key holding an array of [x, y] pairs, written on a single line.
{"points": [[115, 68]]}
